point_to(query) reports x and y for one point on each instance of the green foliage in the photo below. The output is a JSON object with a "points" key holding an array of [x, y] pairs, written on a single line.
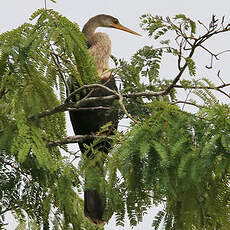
{"points": [[152, 24], [189, 169], [187, 23], [35, 62], [172, 157], [158, 26], [191, 66], [142, 74]]}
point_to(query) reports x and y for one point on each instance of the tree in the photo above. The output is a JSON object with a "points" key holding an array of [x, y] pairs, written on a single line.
{"points": [[167, 156]]}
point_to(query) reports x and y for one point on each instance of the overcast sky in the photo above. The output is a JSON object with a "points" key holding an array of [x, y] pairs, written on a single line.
{"points": [[15, 12]]}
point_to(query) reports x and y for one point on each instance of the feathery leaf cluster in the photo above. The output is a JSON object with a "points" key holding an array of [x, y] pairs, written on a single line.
{"points": [[182, 158], [36, 61], [173, 157]]}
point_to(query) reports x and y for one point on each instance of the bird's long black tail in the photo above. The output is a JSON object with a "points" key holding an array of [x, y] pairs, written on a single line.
{"points": [[94, 206], [94, 192]]}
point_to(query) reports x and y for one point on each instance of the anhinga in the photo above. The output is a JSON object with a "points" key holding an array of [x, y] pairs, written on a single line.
{"points": [[91, 121]]}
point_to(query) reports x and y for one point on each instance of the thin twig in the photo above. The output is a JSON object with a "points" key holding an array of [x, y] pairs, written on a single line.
{"points": [[221, 91], [186, 99], [58, 64], [89, 108], [203, 87], [125, 110], [218, 75], [109, 90], [45, 5], [203, 25], [91, 86], [188, 103]]}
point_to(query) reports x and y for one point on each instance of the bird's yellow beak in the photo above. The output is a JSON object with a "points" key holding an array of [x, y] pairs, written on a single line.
{"points": [[120, 27]]}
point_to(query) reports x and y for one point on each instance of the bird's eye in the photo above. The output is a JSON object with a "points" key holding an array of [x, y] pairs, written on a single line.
{"points": [[116, 21]]}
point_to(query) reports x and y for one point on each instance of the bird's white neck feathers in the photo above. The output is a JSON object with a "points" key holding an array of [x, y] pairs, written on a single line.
{"points": [[101, 50]]}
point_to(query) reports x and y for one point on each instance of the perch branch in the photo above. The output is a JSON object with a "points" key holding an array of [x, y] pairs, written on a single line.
{"points": [[74, 139]]}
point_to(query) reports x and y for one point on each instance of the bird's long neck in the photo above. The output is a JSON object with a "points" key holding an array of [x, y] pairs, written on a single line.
{"points": [[99, 45], [89, 29]]}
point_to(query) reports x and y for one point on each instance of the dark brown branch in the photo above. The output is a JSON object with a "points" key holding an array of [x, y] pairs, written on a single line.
{"points": [[221, 91], [177, 78]]}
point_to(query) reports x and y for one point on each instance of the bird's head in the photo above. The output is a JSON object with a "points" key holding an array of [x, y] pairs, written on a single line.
{"points": [[104, 20]]}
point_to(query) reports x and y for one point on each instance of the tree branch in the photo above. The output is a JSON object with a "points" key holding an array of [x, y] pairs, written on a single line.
{"points": [[217, 88], [67, 106], [203, 87], [91, 86], [74, 139], [188, 103], [89, 108]]}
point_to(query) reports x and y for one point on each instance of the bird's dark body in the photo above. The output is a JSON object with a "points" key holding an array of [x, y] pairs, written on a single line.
{"points": [[87, 122], [90, 122]]}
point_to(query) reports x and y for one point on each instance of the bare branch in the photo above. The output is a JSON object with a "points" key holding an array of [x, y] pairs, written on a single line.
{"points": [[177, 78], [203, 87], [210, 67], [89, 108], [188, 103], [74, 139], [203, 25], [57, 109], [78, 105], [217, 88], [144, 94], [221, 91], [186, 99], [125, 111], [91, 86], [109, 90], [218, 75]]}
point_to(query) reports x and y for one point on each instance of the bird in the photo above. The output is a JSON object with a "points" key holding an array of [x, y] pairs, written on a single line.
{"points": [[85, 122]]}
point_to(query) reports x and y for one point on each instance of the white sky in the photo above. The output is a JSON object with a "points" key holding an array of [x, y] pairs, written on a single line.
{"points": [[15, 12]]}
